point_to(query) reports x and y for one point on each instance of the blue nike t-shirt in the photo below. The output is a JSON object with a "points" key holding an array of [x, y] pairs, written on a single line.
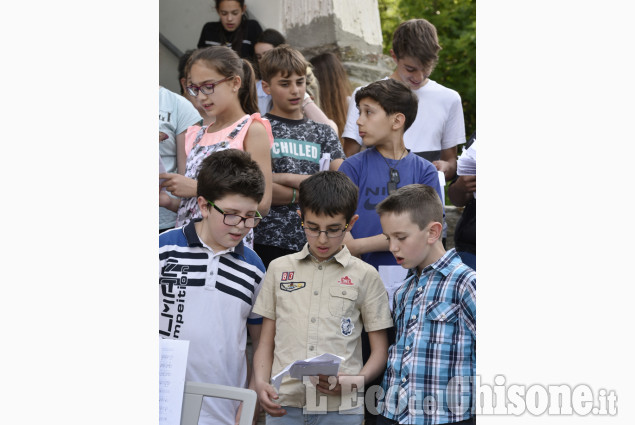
{"points": [[370, 171]]}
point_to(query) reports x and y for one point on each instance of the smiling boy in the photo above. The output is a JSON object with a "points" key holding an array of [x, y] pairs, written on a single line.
{"points": [[301, 148], [435, 316], [439, 126], [317, 301], [209, 280]]}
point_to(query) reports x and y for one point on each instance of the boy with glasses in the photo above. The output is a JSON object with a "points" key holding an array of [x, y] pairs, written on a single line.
{"points": [[317, 301], [209, 280]]}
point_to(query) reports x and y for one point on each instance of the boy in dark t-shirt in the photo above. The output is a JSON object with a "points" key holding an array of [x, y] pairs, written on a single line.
{"points": [[301, 148]]}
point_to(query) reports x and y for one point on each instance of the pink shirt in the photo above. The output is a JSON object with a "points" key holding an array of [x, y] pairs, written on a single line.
{"points": [[237, 142]]}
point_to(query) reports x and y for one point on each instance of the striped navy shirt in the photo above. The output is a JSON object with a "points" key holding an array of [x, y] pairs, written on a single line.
{"points": [[428, 379], [206, 298]]}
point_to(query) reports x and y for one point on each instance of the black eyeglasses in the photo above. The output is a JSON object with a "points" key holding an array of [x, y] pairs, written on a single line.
{"points": [[315, 231], [234, 219], [207, 88]]}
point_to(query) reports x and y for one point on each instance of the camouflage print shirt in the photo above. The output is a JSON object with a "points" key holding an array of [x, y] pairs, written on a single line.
{"points": [[297, 148]]}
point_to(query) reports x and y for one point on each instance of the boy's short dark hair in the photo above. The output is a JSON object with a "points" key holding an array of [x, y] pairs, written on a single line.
{"points": [[284, 59], [230, 172], [417, 38], [330, 193], [421, 201], [181, 67], [393, 96], [271, 36]]}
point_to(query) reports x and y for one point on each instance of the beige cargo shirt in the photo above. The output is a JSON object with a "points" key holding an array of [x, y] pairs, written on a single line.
{"points": [[321, 308]]}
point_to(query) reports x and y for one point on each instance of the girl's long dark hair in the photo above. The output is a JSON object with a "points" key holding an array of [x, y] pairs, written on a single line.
{"points": [[227, 63]]}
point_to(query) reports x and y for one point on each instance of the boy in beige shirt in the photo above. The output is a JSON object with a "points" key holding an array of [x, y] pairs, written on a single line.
{"points": [[317, 301]]}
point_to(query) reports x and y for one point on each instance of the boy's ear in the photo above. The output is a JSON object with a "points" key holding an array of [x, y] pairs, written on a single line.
{"points": [[202, 206], [183, 82], [265, 87], [351, 222], [436, 232], [398, 120], [299, 213], [393, 55]]}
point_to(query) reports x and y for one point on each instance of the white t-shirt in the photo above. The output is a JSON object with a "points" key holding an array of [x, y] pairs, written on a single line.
{"points": [[176, 114], [439, 123]]}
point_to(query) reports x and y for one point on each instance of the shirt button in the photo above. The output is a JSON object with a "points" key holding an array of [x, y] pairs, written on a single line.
{"points": [[312, 319], [343, 292], [429, 302], [413, 317], [311, 348], [320, 267], [407, 347], [403, 380], [442, 317], [315, 292], [419, 289]]}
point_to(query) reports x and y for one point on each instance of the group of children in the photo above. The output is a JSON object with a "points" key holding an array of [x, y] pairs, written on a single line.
{"points": [[280, 236]]}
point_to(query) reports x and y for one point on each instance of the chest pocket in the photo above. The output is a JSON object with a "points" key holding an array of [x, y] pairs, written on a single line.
{"points": [[342, 300], [441, 318]]}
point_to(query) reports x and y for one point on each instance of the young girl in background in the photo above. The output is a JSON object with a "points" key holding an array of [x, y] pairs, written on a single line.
{"points": [[224, 86], [233, 30], [335, 88]]}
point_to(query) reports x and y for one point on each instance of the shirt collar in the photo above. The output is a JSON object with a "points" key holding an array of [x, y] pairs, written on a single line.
{"points": [[194, 241], [445, 264], [343, 256]]}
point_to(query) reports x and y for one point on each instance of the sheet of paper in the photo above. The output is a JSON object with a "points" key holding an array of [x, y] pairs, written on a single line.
{"points": [[466, 164], [324, 364], [172, 364], [325, 161], [441, 176], [393, 277]]}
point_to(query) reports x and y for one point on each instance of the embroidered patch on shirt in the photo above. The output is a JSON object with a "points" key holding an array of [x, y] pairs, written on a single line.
{"points": [[292, 286], [346, 281], [347, 326], [287, 276]]}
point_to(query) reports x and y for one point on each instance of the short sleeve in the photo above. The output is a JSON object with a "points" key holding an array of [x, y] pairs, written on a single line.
{"points": [[375, 309], [454, 128], [266, 301], [351, 130], [350, 167], [333, 145], [186, 114], [190, 137]]}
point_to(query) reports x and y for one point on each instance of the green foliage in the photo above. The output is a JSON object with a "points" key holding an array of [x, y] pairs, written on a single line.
{"points": [[455, 21]]}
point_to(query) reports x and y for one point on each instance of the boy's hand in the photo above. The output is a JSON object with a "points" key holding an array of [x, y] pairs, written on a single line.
{"points": [[330, 385], [178, 185], [266, 394], [466, 183]]}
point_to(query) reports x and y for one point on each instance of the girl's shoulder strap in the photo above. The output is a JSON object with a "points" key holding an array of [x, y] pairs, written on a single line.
{"points": [[265, 122]]}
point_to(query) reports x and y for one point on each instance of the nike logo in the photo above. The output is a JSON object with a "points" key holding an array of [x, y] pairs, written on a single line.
{"points": [[369, 206]]}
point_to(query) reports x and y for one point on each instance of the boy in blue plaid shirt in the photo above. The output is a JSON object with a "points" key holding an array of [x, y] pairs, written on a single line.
{"points": [[428, 378]]}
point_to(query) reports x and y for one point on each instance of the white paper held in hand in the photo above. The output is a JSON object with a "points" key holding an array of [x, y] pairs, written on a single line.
{"points": [[324, 364]]}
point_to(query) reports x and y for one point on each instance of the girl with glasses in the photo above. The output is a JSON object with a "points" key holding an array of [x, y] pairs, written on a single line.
{"points": [[224, 87]]}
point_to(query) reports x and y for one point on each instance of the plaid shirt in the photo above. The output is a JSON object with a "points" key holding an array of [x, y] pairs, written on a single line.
{"points": [[435, 319]]}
